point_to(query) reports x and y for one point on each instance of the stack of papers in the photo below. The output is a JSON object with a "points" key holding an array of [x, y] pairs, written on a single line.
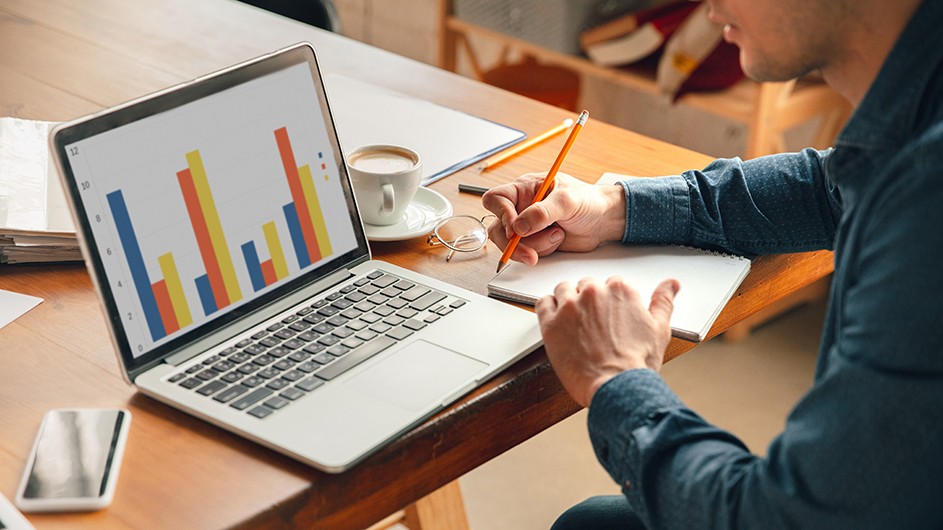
{"points": [[35, 223]]}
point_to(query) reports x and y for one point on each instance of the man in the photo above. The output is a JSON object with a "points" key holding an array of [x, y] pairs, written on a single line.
{"points": [[864, 448]]}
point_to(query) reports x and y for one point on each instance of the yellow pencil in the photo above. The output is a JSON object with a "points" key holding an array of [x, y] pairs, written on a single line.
{"points": [[508, 153], [544, 188]]}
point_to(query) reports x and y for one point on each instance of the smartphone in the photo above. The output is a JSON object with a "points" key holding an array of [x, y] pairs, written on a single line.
{"points": [[75, 461]]}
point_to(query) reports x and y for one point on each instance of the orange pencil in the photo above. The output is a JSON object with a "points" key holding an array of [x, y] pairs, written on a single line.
{"points": [[508, 153], [545, 186]]}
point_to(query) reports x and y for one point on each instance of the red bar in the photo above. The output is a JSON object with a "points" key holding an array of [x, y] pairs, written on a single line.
{"points": [[297, 194], [165, 306], [268, 272], [202, 234]]}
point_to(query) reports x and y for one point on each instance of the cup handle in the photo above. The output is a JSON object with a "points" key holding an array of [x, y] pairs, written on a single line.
{"points": [[387, 207]]}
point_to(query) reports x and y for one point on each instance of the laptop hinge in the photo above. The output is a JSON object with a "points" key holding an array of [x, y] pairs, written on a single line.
{"points": [[257, 317]]}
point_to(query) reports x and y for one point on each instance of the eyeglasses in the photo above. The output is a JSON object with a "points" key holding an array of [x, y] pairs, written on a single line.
{"points": [[461, 233]]}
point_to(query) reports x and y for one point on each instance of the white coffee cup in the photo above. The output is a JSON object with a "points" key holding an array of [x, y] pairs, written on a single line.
{"points": [[385, 180]]}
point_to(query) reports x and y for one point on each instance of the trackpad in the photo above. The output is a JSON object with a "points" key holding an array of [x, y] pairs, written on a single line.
{"points": [[417, 375]]}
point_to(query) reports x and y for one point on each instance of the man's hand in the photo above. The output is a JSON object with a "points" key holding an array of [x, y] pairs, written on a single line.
{"points": [[593, 331], [574, 216]]}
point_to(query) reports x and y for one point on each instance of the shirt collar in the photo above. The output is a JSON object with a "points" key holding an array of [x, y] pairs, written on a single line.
{"points": [[891, 108]]}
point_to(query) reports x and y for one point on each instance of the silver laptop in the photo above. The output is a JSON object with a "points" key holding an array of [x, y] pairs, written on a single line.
{"points": [[219, 225]]}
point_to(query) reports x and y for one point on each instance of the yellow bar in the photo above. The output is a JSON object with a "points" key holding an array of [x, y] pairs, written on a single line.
{"points": [[275, 249], [169, 269], [317, 217], [205, 196]]}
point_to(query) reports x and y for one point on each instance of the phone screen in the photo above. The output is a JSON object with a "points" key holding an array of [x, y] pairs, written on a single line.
{"points": [[74, 453]]}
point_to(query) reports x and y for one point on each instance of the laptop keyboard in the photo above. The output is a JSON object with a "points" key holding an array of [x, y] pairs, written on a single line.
{"points": [[294, 355]]}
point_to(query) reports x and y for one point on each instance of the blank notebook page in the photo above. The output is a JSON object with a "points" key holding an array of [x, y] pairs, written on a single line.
{"points": [[708, 279]]}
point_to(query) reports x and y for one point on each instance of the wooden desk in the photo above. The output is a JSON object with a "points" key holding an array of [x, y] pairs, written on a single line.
{"points": [[60, 59]]}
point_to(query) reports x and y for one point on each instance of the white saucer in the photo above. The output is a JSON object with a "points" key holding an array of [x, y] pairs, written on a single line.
{"points": [[427, 209]]}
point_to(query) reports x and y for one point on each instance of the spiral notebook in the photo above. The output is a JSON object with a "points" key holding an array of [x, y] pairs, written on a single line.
{"points": [[708, 279]]}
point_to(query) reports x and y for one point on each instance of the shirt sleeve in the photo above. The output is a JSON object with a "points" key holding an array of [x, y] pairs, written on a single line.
{"points": [[769, 205], [862, 449]]}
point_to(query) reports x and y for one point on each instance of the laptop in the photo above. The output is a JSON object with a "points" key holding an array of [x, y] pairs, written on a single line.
{"points": [[222, 233]]}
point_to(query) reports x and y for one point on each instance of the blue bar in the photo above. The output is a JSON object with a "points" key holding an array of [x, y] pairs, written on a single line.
{"points": [[252, 263], [132, 253], [206, 295], [297, 238]]}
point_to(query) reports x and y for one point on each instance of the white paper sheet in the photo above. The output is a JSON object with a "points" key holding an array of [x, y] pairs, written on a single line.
{"points": [[447, 140], [14, 305]]}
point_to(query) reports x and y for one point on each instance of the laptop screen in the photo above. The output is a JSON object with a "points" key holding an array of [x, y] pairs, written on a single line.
{"points": [[205, 201]]}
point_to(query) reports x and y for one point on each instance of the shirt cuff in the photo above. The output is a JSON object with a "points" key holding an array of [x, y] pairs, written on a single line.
{"points": [[626, 402], [657, 210]]}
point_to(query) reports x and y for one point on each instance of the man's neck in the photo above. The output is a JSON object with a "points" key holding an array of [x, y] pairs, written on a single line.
{"points": [[871, 36]]}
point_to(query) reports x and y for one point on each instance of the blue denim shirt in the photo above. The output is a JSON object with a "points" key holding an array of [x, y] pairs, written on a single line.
{"points": [[864, 447]]}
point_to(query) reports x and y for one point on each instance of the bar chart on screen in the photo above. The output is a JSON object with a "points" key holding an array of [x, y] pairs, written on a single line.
{"points": [[201, 210]]}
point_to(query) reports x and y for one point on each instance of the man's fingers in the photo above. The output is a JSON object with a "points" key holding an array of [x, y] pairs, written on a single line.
{"points": [[662, 303]]}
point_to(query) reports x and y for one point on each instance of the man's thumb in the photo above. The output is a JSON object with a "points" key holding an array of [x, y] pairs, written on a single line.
{"points": [[663, 300]]}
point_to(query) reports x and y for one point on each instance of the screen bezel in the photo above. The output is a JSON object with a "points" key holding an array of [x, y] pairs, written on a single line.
{"points": [[165, 100]]}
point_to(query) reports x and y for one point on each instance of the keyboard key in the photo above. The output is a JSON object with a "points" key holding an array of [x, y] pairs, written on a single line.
{"points": [[270, 342], [338, 350], [329, 340], [343, 332], [260, 334], [224, 366], [194, 369], [313, 319], [252, 381], [240, 357], [397, 303], [374, 275], [263, 360], [229, 351], [407, 312], [355, 357], [207, 374], [210, 360], [243, 343], [248, 368], [429, 319], [380, 327], [399, 333], [279, 352], [385, 281], [415, 293], [230, 393], [261, 412], [308, 366], [323, 358], [268, 373], [314, 349], [352, 342], [427, 300], [177, 377], [254, 349], [284, 364], [293, 375], [414, 324], [232, 377], [404, 285], [292, 393], [366, 335], [285, 334], [384, 311], [276, 402], [300, 326], [304, 311], [394, 320], [277, 384], [245, 401], [457, 304], [309, 384], [211, 388], [275, 327], [289, 319]]}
